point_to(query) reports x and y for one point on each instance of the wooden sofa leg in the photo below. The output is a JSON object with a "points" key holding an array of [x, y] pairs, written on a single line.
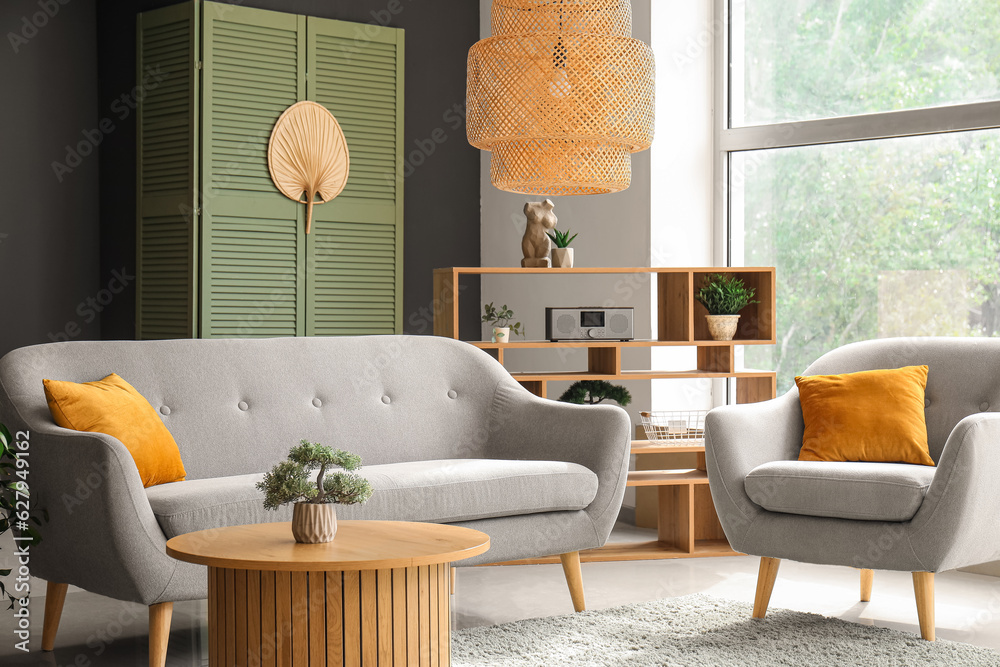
{"points": [[765, 584], [867, 577], [923, 588], [574, 578], [55, 596], [159, 632]]}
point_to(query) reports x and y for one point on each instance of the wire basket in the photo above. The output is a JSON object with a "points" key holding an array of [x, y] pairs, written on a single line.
{"points": [[678, 428]]}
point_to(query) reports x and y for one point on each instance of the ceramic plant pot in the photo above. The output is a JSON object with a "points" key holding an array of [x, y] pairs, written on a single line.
{"points": [[562, 258], [722, 327], [314, 523], [501, 334]]}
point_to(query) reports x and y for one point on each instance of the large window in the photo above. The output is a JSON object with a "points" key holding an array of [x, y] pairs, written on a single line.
{"points": [[880, 222]]}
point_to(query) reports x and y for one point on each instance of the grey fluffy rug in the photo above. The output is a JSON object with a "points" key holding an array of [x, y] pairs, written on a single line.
{"points": [[698, 630]]}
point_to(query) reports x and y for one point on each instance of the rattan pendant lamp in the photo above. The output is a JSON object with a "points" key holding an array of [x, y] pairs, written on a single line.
{"points": [[562, 95]]}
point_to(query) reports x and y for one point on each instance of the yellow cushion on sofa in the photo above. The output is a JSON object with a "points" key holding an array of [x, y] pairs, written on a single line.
{"points": [[114, 407], [875, 416]]}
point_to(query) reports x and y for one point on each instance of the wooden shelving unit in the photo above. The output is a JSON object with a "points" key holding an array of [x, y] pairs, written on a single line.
{"points": [[686, 522]]}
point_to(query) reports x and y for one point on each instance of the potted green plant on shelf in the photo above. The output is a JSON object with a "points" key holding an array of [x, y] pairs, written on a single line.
{"points": [[500, 319], [724, 297], [592, 392], [314, 517], [562, 254]]}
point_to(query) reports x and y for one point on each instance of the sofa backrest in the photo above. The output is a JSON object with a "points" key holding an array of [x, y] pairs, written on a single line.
{"points": [[235, 406], [963, 375]]}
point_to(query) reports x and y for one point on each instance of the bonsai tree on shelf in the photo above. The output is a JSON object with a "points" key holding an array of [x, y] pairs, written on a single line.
{"points": [[562, 254], [290, 481], [724, 297], [500, 319], [592, 392]]}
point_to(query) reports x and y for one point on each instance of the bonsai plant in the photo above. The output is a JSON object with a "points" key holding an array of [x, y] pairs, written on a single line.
{"points": [[592, 392], [724, 297], [562, 254], [314, 517], [500, 319]]}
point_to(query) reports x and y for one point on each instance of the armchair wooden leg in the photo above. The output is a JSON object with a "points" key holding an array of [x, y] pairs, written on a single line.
{"points": [[159, 632], [55, 596], [574, 578], [765, 584], [867, 577], [923, 588]]}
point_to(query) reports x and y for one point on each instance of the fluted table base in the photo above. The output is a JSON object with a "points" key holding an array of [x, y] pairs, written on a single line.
{"points": [[399, 617]]}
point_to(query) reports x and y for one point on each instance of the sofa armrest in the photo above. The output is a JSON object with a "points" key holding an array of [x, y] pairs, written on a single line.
{"points": [[524, 426], [101, 534], [957, 523], [738, 438]]}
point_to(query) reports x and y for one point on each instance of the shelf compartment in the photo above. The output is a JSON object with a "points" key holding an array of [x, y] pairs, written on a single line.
{"points": [[757, 321], [686, 477]]}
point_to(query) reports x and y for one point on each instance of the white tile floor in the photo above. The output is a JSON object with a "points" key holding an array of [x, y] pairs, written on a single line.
{"points": [[98, 631]]}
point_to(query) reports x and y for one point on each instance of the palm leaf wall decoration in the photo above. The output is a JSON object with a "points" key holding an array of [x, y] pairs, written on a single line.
{"points": [[307, 155]]}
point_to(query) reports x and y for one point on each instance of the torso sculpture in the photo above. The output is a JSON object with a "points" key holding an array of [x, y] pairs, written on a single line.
{"points": [[536, 245]]}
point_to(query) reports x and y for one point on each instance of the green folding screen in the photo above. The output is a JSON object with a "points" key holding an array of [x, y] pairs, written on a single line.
{"points": [[246, 266]]}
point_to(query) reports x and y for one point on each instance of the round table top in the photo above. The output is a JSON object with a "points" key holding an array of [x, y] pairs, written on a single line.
{"points": [[359, 545]]}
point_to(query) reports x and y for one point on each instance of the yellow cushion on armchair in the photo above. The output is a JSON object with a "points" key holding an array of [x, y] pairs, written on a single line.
{"points": [[875, 416], [113, 406]]}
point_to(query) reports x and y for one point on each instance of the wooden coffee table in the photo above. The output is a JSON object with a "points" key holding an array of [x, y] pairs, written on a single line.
{"points": [[377, 595]]}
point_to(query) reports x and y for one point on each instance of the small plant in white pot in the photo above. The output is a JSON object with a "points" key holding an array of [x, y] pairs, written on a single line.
{"points": [[500, 319], [314, 518], [724, 297], [562, 254]]}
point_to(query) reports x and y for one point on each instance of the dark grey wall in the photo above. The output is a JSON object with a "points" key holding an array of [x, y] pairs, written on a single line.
{"points": [[49, 264], [441, 194]]}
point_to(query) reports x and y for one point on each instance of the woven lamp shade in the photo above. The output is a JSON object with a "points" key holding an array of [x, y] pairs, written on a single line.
{"points": [[562, 95]]}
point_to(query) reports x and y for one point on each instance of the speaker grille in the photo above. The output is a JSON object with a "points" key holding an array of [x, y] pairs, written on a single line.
{"points": [[566, 324], [619, 323]]}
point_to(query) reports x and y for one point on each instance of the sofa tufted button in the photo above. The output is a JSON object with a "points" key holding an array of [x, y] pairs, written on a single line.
{"points": [[317, 403], [984, 406], [927, 402], [243, 406], [164, 410], [386, 400], [452, 393]]}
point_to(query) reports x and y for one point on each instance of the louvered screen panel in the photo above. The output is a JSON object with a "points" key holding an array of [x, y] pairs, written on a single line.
{"points": [[254, 70], [355, 281], [352, 286], [253, 262], [254, 237], [167, 126]]}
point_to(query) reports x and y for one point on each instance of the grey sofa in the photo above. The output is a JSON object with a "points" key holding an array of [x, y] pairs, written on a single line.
{"points": [[445, 433], [871, 516]]}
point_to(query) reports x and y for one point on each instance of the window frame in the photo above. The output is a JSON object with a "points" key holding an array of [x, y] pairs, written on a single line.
{"points": [[839, 129]]}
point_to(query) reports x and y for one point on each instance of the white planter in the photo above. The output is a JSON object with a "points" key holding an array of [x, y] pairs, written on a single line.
{"points": [[314, 523], [722, 327], [562, 258], [501, 334]]}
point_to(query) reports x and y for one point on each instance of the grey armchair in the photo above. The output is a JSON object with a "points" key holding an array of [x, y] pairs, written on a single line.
{"points": [[872, 516]]}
